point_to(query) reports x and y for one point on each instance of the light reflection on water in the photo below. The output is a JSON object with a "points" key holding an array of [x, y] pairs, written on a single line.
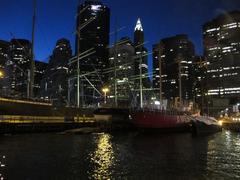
{"points": [[223, 157], [120, 156], [2, 166], [102, 158]]}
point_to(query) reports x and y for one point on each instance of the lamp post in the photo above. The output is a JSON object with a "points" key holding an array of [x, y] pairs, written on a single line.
{"points": [[105, 90]]}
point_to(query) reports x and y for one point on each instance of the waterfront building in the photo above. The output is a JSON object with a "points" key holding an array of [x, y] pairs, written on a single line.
{"points": [[55, 82], [39, 72], [4, 55], [176, 62], [140, 61], [122, 57], [141, 55], [18, 68], [92, 40], [221, 40], [199, 80]]}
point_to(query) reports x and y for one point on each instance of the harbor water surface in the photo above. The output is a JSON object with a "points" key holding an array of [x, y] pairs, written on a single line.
{"points": [[120, 156]]}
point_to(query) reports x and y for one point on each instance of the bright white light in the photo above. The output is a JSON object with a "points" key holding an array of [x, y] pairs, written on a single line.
{"points": [[95, 7], [157, 103], [139, 25]]}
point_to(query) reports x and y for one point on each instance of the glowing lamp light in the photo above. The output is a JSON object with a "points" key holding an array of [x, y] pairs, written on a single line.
{"points": [[105, 90], [157, 103], [220, 123], [1, 74]]}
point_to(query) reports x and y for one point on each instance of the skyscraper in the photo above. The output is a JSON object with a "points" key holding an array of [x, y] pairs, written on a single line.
{"points": [[141, 66], [176, 62], [141, 54], [92, 40], [122, 54], [221, 38], [39, 72], [18, 68], [4, 55], [55, 82]]}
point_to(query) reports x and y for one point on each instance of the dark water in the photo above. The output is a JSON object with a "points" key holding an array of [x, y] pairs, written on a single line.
{"points": [[120, 156]]}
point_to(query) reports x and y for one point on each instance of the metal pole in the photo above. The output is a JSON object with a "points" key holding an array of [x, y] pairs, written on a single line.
{"points": [[68, 92], [28, 82], [141, 90], [78, 71], [31, 92], [105, 97], [115, 70], [180, 80], [160, 52]]}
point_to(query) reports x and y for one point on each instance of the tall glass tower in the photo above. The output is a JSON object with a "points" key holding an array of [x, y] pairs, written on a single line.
{"points": [[92, 40]]}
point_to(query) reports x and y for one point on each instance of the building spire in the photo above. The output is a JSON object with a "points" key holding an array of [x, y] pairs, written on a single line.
{"points": [[138, 26]]}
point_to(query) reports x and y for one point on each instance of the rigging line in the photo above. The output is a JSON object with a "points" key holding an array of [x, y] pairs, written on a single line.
{"points": [[78, 13], [84, 25], [83, 53], [119, 29], [84, 56], [93, 86], [121, 42]]}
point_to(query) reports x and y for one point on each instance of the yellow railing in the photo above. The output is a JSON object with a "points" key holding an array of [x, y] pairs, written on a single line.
{"points": [[25, 102], [42, 119]]}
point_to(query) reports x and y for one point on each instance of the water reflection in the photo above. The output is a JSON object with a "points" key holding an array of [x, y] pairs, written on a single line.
{"points": [[120, 156], [223, 157], [102, 158], [2, 167]]}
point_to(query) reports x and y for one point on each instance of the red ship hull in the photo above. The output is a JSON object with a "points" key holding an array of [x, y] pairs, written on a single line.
{"points": [[162, 120]]}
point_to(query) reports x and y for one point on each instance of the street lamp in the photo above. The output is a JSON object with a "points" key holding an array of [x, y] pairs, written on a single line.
{"points": [[1, 74], [105, 90]]}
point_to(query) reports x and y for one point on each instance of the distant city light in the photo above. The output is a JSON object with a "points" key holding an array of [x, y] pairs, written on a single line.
{"points": [[157, 103], [95, 7]]}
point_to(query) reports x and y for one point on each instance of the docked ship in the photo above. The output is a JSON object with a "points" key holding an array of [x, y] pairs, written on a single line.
{"points": [[204, 125], [167, 120], [161, 120]]}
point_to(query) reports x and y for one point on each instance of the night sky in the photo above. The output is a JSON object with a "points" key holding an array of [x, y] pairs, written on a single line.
{"points": [[160, 19]]}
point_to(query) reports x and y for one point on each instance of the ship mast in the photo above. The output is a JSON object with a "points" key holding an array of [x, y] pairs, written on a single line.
{"points": [[160, 52], [31, 93], [141, 84], [179, 61], [115, 66]]}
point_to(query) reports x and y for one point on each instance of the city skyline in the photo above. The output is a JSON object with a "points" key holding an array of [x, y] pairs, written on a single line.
{"points": [[157, 25]]}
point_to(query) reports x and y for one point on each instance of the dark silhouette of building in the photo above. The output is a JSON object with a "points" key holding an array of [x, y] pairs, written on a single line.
{"points": [[92, 32], [141, 61], [4, 56], [199, 79], [18, 68], [122, 55], [141, 54], [177, 59], [54, 86], [39, 72], [221, 38]]}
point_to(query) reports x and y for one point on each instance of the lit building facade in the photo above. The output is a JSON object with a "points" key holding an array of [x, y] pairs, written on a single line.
{"points": [[54, 85], [4, 56], [221, 38], [39, 72], [18, 68], [92, 40], [122, 55], [177, 59]]}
